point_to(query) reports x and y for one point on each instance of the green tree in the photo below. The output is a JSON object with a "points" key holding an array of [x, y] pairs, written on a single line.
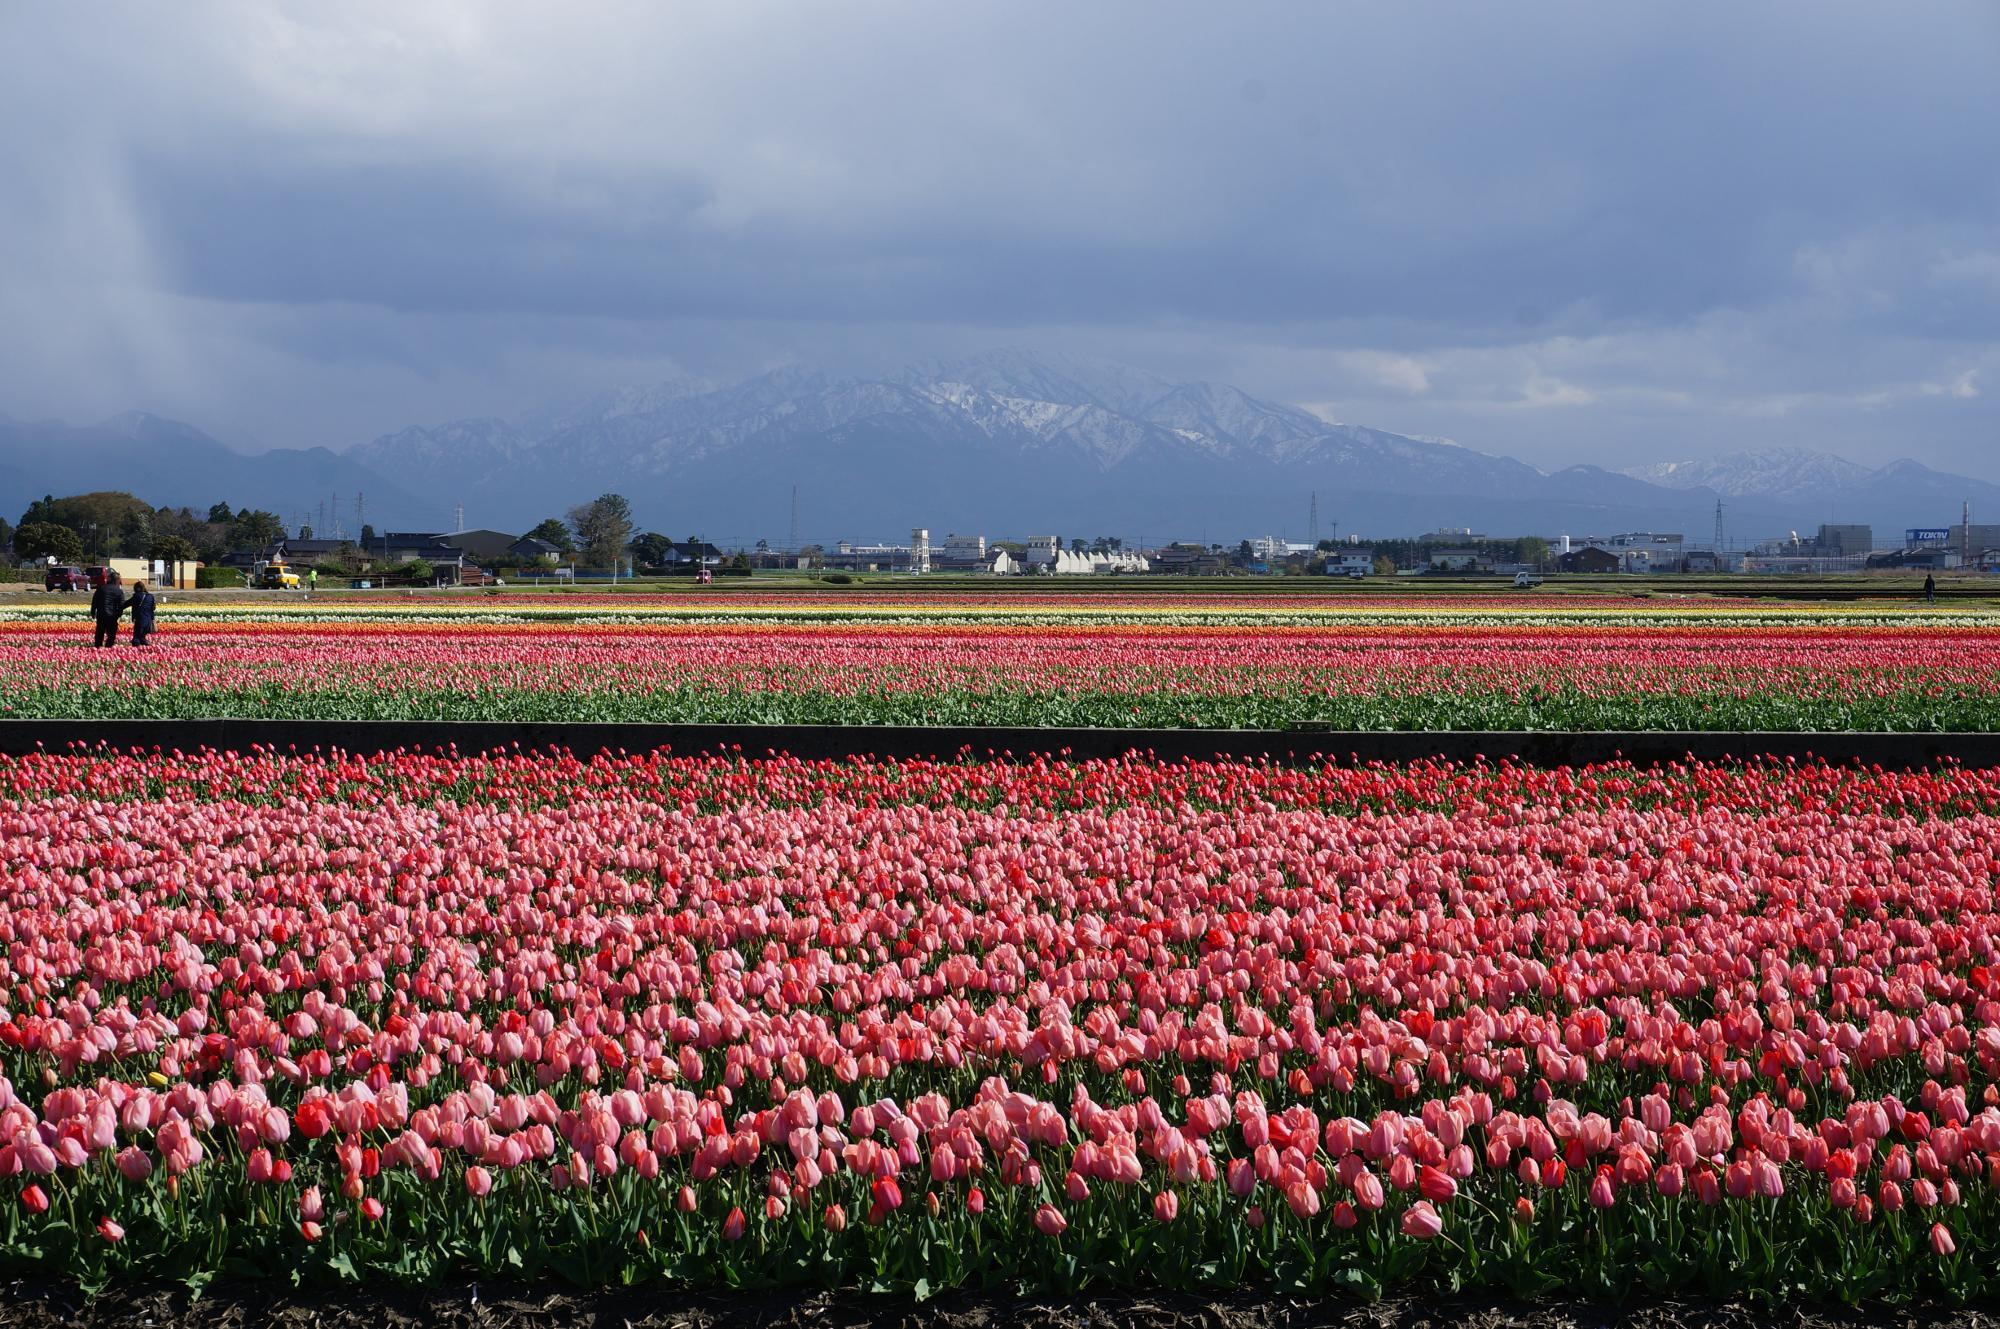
{"points": [[1385, 566], [98, 518], [220, 514], [551, 530], [305, 532], [45, 539], [254, 528], [135, 533], [6, 531], [603, 528], [367, 534], [172, 549], [652, 549]]}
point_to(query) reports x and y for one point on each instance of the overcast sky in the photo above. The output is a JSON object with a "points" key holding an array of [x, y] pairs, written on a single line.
{"points": [[1613, 233]]}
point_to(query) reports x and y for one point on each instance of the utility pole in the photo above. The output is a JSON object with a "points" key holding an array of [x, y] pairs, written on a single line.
{"points": [[1718, 527], [358, 523], [794, 547], [1965, 535]]}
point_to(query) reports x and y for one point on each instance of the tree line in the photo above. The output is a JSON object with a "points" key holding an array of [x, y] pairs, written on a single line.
{"points": [[107, 523]]}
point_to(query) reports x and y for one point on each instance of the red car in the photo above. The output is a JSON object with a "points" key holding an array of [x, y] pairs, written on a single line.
{"points": [[66, 577]]}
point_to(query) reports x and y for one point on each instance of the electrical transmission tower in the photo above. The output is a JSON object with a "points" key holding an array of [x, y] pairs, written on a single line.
{"points": [[1312, 522]]}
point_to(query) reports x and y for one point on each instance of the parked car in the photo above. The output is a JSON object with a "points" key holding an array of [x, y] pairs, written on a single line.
{"points": [[277, 577], [95, 575], [66, 577], [1526, 580]]}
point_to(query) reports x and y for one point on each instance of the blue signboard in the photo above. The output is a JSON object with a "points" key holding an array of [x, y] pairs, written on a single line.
{"points": [[1927, 535]]}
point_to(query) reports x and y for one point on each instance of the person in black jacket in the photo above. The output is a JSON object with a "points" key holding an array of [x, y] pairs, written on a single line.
{"points": [[106, 605], [1930, 589], [142, 613]]}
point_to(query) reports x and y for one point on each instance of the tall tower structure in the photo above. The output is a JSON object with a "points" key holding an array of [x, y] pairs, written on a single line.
{"points": [[920, 549], [793, 547], [1718, 527], [1312, 522]]}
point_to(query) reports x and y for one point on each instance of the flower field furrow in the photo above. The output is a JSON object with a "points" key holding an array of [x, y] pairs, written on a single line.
{"points": [[915, 1025], [1171, 675]]}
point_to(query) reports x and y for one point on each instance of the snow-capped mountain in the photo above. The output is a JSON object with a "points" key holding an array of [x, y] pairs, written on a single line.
{"points": [[1783, 473], [479, 445], [1006, 443]]}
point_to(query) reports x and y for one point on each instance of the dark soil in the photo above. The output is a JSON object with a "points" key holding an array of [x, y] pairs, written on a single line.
{"points": [[27, 1306]]}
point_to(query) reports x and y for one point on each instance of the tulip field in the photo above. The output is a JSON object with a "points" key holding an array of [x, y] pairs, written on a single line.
{"points": [[719, 1022], [1155, 661]]}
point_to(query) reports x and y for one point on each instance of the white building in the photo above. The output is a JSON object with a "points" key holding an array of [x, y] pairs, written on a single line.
{"points": [[1269, 548], [1347, 562], [1045, 555]]}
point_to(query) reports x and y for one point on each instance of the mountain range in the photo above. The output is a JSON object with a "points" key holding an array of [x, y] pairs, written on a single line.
{"points": [[1006, 443]]}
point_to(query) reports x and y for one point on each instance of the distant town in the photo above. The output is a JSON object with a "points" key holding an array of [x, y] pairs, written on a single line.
{"points": [[67, 543]]}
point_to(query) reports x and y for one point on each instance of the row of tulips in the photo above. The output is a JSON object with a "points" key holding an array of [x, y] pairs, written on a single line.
{"points": [[1165, 674], [1038, 603], [914, 1025]]}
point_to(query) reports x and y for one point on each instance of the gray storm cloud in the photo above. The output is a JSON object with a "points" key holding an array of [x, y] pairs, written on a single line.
{"points": [[1564, 231]]}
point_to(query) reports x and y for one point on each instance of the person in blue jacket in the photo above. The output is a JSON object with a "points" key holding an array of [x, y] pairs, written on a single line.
{"points": [[142, 613]]}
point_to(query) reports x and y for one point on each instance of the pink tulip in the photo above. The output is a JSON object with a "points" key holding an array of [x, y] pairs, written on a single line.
{"points": [[134, 1164], [1421, 1221]]}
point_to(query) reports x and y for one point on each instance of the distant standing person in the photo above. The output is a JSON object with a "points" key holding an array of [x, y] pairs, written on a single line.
{"points": [[1930, 589], [142, 613], [105, 606], [312, 580]]}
